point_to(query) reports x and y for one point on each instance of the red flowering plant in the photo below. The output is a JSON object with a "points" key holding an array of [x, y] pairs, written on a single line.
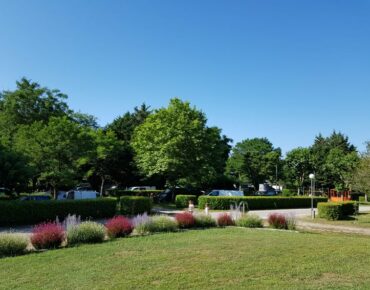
{"points": [[185, 220], [119, 226], [224, 220], [47, 235], [277, 221]]}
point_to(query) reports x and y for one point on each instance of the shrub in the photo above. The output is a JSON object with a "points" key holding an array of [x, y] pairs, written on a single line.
{"points": [[182, 201], [277, 221], [258, 202], [133, 205], [288, 192], [185, 220], [224, 220], [204, 221], [249, 221], [86, 233], [47, 236], [291, 222], [337, 210], [119, 226], [34, 212], [12, 245], [146, 193], [162, 223]]}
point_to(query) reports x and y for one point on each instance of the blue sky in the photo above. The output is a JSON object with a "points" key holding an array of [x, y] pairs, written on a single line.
{"points": [[286, 70]]}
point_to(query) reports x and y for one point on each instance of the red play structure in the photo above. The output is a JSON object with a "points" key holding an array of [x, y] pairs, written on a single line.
{"points": [[339, 196]]}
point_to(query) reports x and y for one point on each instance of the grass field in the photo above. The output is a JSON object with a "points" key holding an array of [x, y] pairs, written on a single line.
{"points": [[362, 220], [231, 258]]}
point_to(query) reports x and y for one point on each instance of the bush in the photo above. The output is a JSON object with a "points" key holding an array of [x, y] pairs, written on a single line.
{"points": [[277, 221], [288, 192], [162, 223], [86, 233], [337, 210], [119, 226], [204, 221], [133, 205], [258, 202], [249, 221], [224, 220], [47, 236], [12, 245], [182, 201], [147, 193], [34, 212], [185, 220]]}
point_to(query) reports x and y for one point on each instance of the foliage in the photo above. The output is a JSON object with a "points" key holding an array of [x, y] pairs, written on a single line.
{"points": [[119, 226], [249, 221], [185, 220], [334, 157], [12, 245], [337, 210], [133, 205], [14, 168], [33, 212], [182, 201], [288, 192], [298, 164], [277, 221], [162, 223], [147, 193], [225, 220], [54, 150], [47, 236], [176, 143], [361, 176], [204, 221], [254, 161], [86, 233], [258, 202]]}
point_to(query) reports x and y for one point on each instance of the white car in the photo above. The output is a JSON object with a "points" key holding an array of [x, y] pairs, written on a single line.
{"points": [[222, 192]]}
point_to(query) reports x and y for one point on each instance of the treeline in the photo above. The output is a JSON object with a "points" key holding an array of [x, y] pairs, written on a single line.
{"points": [[44, 145]]}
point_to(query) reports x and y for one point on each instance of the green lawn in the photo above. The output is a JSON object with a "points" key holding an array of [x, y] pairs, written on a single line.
{"points": [[362, 220], [231, 258]]}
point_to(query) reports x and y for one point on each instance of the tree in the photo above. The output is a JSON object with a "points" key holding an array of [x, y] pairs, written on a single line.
{"points": [[176, 143], [361, 176], [125, 125], [329, 153], [297, 167], [54, 150], [15, 173], [254, 161], [101, 160]]}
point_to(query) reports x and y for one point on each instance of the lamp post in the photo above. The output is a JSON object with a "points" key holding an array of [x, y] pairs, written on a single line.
{"points": [[312, 177]]}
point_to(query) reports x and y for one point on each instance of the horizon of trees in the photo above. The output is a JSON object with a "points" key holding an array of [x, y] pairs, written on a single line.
{"points": [[44, 144]]}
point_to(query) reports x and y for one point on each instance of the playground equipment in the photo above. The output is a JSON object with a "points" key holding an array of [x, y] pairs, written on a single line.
{"points": [[336, 196]]}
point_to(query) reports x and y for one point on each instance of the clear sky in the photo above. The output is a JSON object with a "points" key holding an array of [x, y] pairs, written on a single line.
{"points": [[286, 70]]}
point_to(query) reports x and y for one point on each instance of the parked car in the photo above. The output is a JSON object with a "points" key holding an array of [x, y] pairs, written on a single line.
{"points": [[222, 192], [82, 194], [169, 194], [36, 197], [139, 188]]}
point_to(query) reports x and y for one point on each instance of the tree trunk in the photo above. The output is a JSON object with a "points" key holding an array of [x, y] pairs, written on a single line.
{"points": [[366, 197], [55, 192], [102, 186]]}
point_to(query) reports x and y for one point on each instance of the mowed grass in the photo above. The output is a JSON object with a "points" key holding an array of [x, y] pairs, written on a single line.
{"points": [[362, 220], [232, 258]]}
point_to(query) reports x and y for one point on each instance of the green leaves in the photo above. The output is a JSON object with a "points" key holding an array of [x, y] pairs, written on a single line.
{"points": [[175, 142]]}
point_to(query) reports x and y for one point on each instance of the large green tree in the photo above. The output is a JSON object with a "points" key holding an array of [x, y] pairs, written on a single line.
{"points": [[54, 150], [361, 177], [175, 142], [298, 164], [333, 157], [254, 161]]}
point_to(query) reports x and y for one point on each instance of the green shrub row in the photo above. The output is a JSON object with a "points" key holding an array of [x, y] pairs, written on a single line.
{"points": [[133, 205], [182, 200], [33, 212], [258, 202], [337, 210]]}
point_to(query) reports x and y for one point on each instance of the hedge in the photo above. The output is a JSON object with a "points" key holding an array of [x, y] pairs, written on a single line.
{"points": [[133, 205], [258, 202], [33, 212], [182, 200], [337, 210]]}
